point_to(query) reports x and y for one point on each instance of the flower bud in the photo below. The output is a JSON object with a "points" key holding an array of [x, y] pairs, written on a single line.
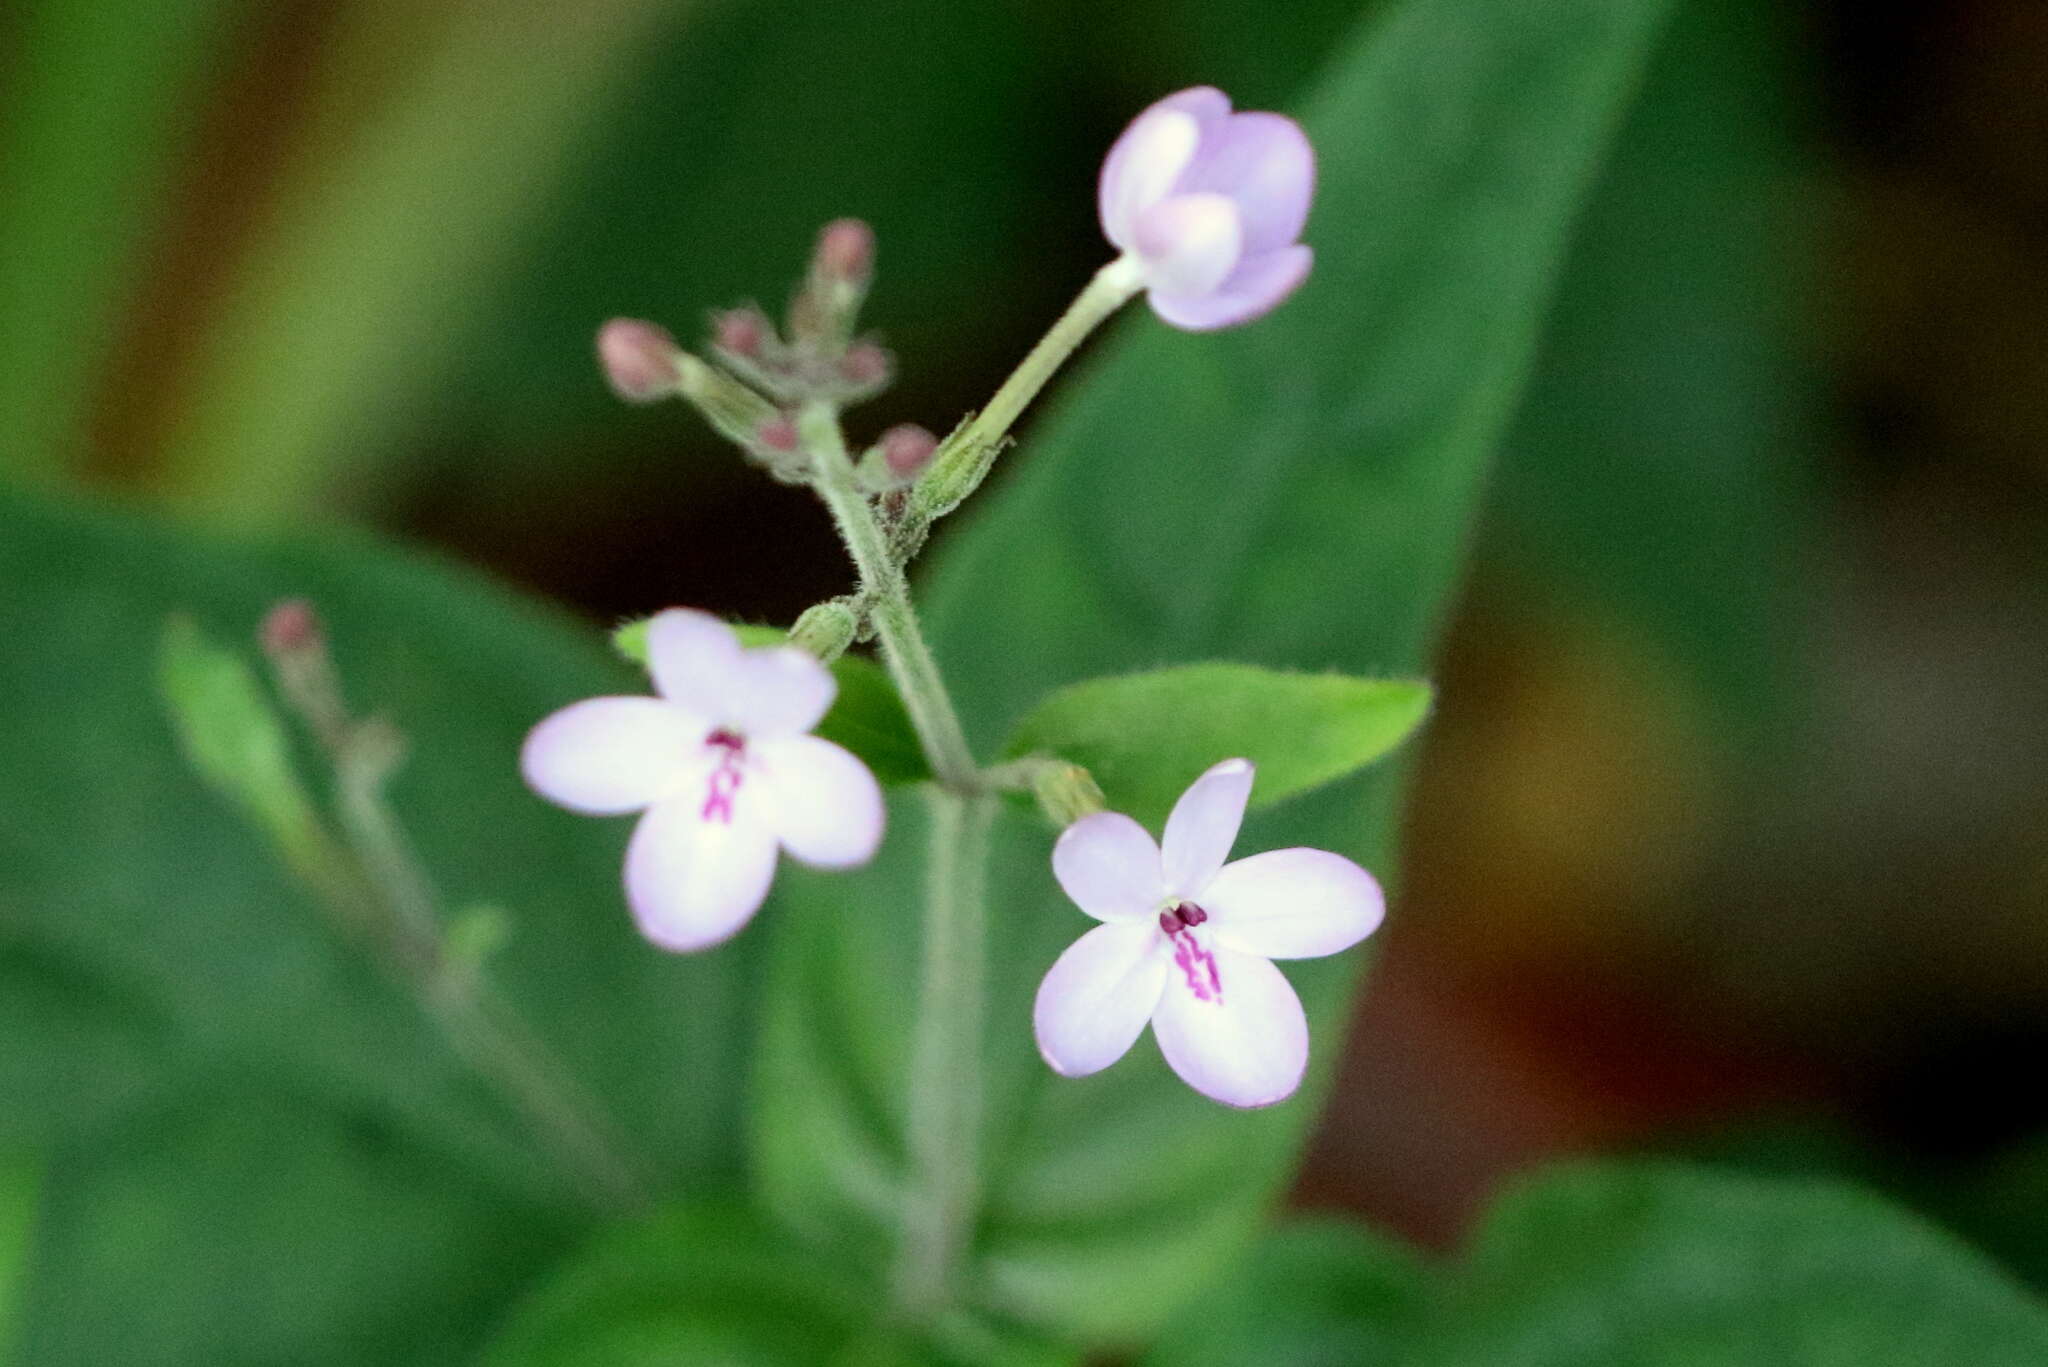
{"points": [[296, 645], [866, 368], [846, 253], [826, 629], [907, 449], [290, 627], [741, 331], [1066, 793], [777, 434], [641, 361]]}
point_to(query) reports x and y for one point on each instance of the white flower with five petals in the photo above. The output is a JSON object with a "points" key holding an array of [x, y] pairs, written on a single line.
{"points": [[1188, 943], [724, 768]]}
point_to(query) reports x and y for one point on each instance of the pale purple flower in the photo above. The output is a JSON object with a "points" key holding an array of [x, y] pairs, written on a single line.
{"points": [[1188, 943], [1208, 204], [724, 770]]}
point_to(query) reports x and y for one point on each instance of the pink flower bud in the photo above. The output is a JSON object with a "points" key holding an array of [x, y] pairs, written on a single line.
{"points": [[639, 360], [777, 434], [846, 251], [865, 366], [740, 331], [907, 449], [291, 628]]}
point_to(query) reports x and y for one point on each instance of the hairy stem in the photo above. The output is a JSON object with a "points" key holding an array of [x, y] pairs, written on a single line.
{"points": [[944, 1125], [484, 1030], [965, 457], [887, 593], [1107, 291]]}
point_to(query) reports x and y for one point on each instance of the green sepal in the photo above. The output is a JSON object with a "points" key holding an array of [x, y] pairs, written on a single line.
{"points": [[1145, 737], [234, 739], [867, 717]]}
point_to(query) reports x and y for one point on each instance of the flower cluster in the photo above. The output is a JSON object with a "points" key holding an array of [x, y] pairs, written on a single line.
{"points": [[1206, 206]]}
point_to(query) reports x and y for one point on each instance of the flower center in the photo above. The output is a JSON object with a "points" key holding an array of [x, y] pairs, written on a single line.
{"points": [[1197, 964], [725, 778]]}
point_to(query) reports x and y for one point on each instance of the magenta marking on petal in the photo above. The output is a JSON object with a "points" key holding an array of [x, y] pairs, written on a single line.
{"points": [[1197, 965], [725, 780]]}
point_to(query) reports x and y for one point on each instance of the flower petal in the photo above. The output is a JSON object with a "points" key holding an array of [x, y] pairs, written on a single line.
{"points": [[1246, 1047], [1145, 162], [1293, 904], [822, 802], [783, 691], [695, 660], [1189, 244], [609, 755], [1203, 826], [1094, 1003], [693, 881], [1255, 287], [1265, 164], [1110, 867]]}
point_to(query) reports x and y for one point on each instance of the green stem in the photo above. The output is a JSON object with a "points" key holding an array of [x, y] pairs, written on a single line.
{"points": [[965, 457], [1109, 290], [485, 1032], [944, 1123], [887, 594]]}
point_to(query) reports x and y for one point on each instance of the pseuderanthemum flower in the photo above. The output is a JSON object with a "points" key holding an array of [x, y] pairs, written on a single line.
{"points": [[1187, 943], [1209, 204], [723, 767]]}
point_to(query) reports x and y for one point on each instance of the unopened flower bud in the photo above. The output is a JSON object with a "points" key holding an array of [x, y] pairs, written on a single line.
{"points": [[865, 366], [641, 361], [777, 434], [740, 331], [907, 449], [1066, 793], [846, 252], [290, 627], [296, 646], [826, 629]]}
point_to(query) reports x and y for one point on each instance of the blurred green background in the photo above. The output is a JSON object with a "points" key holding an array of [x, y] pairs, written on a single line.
{"points": [[1730, 835]]}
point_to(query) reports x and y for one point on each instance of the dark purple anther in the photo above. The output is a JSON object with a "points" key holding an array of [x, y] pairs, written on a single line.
{"points": [[1192, 914], [1169, 921], [727, 738]]}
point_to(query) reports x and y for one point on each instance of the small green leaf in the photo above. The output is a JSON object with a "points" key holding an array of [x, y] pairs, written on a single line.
{"points": [[234, 738], [1146, 736], [867, 717]]}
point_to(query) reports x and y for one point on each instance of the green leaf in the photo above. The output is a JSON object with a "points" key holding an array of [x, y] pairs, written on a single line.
{"points": [[1661, 470], [867, 717], [1314, 1293], [247, 1228], [1629, 1264], [20, 1186], [713, 1283], [1146, 736], [151, 943], [1649, 1265], [698, 1283], [1296, 494]]}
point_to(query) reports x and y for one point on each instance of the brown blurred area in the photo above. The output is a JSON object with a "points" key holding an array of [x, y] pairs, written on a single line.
{"points": [[1856, 928]]}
